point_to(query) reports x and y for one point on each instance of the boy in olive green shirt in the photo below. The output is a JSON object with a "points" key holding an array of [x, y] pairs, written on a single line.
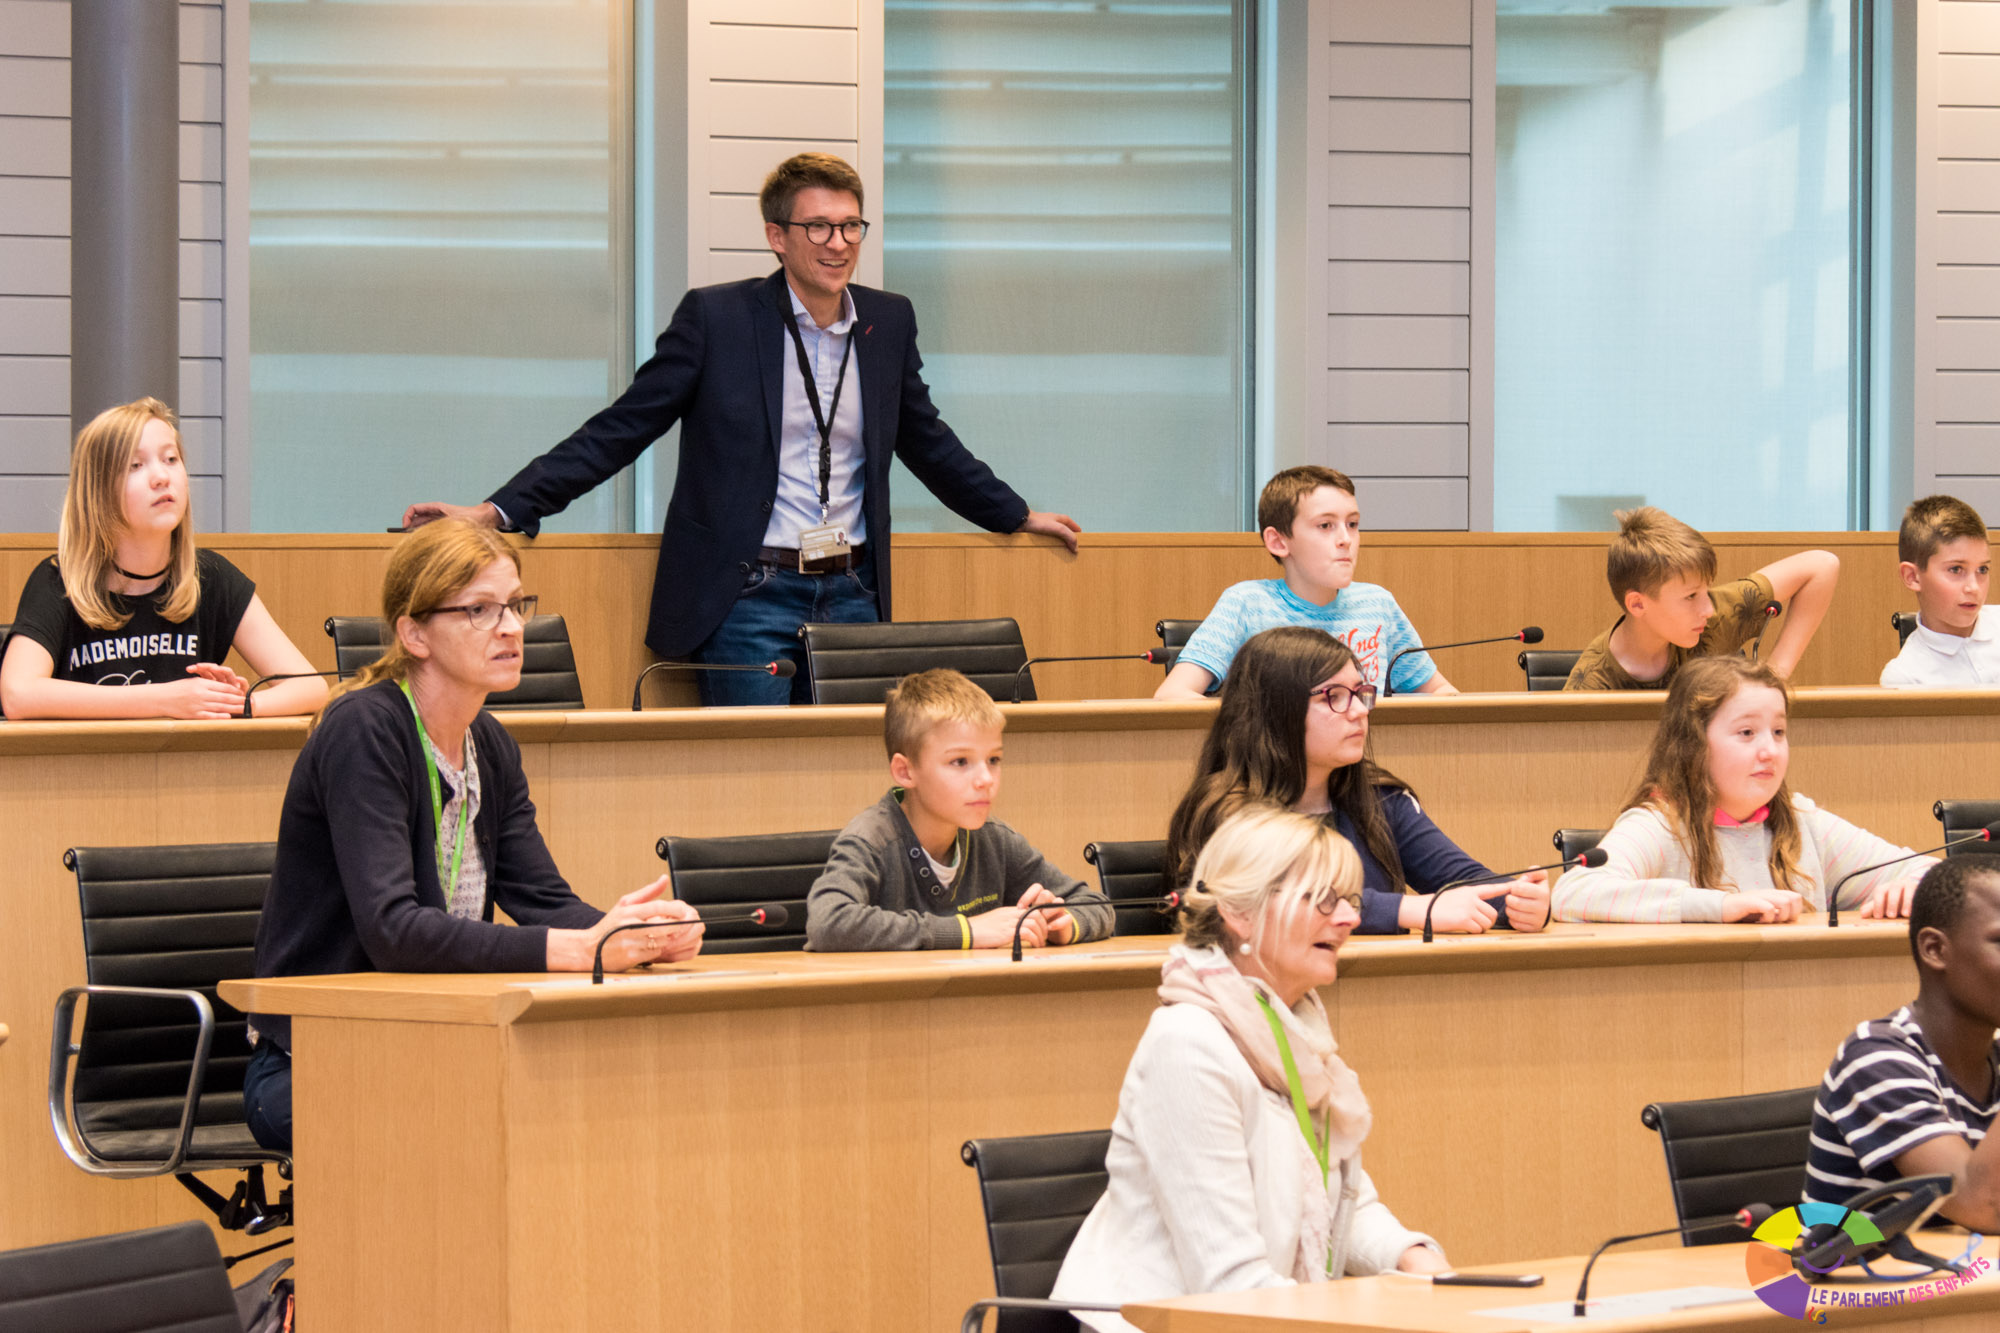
{"points": [[1660, 571]]}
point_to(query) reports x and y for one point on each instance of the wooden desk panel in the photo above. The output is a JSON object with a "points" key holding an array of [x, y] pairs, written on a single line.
{"points": [[1400, 1305], [1106, 599], [785, 1130], [1498, 772]]}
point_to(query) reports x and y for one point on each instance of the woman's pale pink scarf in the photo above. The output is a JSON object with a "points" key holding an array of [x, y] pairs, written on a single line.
{"points": [[1207, 979]]}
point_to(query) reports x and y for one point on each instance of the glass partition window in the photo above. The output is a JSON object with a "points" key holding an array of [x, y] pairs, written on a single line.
{"points": [[436, 278], [1672, 272], [1061, 202]]}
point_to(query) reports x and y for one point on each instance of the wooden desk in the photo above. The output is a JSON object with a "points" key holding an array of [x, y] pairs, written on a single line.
{"points": [[1400, 1305], [1499, 772], [525, 1153]]}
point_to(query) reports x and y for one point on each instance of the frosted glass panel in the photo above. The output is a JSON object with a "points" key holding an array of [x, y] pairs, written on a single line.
{"points": [[1672, 270], [431, 261], [1061, 206]]}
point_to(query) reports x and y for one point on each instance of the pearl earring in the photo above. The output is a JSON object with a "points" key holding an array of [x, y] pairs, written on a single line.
{"points": [[1244, 948]]}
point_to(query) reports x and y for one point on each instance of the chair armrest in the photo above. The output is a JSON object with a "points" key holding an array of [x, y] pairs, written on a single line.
{"points": [[62, 1101], [975, 1314]]}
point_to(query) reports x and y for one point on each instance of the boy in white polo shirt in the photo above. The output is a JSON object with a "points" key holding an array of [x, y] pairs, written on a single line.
{"points": [[1942, 547], [1312, 528]]}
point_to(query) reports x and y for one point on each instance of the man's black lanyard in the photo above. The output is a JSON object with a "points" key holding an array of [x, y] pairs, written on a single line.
{"points": [[822, 420]]}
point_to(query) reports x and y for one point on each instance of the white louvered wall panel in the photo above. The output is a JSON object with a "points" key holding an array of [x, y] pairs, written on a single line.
{"points": [[1405, 402], [34, 258]]}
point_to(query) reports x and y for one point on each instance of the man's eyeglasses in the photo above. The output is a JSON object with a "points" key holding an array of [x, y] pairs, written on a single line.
{"points": [[819, 233], [485, 615], [1340, 697]]}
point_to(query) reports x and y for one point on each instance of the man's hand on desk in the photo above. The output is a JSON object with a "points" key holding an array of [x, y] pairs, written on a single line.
{"points": [[1060, 526], [576, 950], [426, 511]]}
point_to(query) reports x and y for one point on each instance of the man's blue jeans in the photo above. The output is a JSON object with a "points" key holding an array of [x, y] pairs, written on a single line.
{"points": [[763, 626]]}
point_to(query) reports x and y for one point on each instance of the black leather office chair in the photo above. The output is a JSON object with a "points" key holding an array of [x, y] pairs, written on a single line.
{"points": [[1902, 622], [1725, 1153], [158, 1085], [1174, 635], [5, 630], [761, 870], [1134, 870], [1574, 842], [860, 664], [1547, 669], [1962, 817], [549, 682], [162, 1280], [1036, 1190]]}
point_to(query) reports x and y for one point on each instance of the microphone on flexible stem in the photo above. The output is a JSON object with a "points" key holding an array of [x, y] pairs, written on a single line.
{"points": [[1532, 634], [774, 916], [1157, 656], [1591, 859], [784, 669], [1583, 1283], [1166, 904], [1772, 610], [262, 681], [1833, 899]]}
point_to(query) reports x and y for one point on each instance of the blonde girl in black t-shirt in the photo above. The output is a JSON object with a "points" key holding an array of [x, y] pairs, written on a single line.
{"points": [[129, 619]]}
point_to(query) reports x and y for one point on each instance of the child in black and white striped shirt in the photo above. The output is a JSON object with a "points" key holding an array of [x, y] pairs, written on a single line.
{"points": [[1914, 1093]]}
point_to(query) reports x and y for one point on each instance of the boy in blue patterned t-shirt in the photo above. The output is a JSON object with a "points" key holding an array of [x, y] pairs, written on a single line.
{"points": [[1312, 527]]}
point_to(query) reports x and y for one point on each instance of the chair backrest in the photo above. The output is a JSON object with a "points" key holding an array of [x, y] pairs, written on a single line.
{"points": [[860, 664], [1174, 635], [1574, 842], [548, 664], [165, 1278], [1725, 1153], [1547, 668], [5, 630], [183, 918], [1134, 870], [1036, 1190], [1902, 622], [1962, 817], [761, 870]]}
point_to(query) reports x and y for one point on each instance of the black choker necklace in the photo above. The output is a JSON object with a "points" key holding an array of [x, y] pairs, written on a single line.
{"points": [[139, 578]]}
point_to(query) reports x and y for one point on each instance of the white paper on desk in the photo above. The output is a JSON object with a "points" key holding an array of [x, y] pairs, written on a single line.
{"points": [[1632, 1305]]}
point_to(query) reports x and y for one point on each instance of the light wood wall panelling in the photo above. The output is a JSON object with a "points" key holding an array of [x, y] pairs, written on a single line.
{"points": [[1105, 600]]}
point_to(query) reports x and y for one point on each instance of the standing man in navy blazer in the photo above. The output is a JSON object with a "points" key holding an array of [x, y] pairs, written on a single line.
{"points": [[780, 513]]}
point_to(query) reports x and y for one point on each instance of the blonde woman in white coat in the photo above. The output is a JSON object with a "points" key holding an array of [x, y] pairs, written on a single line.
{"points": [[1226, 1173]]}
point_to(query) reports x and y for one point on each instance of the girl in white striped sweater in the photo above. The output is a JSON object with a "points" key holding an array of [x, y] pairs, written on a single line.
{"points": [[1714, 834]]}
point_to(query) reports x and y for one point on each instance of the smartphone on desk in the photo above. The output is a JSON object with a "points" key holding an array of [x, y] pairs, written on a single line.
{"points": [[1486, 1279]]}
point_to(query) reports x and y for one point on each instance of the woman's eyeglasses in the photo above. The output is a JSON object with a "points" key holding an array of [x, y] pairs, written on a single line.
{"points": [[1340, 697], [485, 615]]}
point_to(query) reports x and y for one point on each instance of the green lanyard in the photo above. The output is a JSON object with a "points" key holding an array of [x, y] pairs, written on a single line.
{"points": [[1314, 1139], [449, 886]]}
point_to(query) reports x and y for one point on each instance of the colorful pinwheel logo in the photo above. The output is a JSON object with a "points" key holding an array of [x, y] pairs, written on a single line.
{"points": [[1768, 1261]]}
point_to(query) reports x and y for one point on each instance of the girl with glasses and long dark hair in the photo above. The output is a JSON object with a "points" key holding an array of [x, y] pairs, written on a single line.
{"points": [[1292, 730]]}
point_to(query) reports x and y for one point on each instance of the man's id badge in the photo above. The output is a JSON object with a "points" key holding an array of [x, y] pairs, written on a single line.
{"points": [[822, 543]]}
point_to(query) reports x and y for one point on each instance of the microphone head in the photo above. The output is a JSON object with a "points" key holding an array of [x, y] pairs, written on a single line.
{"points": [[1593, 858], [1991, 831], [784, 668], [1532, 634], [1773, 608], [1754, 1216], [774, 916]]}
